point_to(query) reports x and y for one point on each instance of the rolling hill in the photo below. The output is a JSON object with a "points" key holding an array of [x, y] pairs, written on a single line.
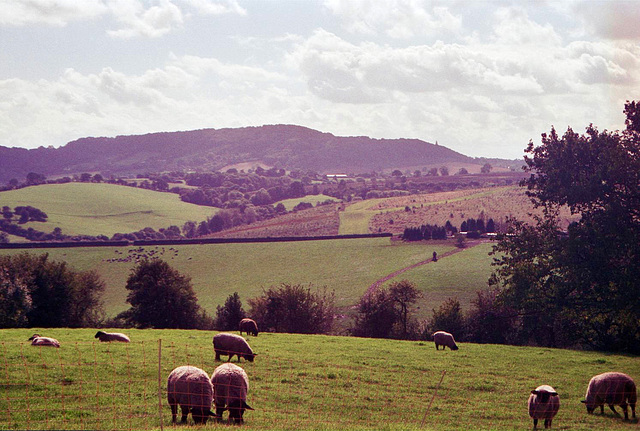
{"points": [[282, 146]]}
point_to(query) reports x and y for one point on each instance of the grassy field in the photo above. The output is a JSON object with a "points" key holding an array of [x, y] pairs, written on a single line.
{"points": [[217, 270], [103, 209], [298, 382]]}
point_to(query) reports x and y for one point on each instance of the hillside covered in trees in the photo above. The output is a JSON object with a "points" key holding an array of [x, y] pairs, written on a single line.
{"points": [[281, 146]]}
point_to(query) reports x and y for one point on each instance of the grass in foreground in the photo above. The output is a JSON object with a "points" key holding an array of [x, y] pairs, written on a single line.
{"points": [[298, 382]]}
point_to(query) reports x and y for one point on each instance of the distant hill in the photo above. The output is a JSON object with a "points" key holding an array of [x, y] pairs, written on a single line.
{"points": [[281, 146]]}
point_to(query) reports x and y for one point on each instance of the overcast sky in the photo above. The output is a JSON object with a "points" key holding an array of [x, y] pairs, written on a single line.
{"points": [[480, 77]]}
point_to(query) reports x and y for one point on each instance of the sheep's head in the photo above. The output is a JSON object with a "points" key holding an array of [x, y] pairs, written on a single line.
{"points": [[590, 406], [201, 415], [98, 334], [236, 410], [249, 356], [33, 337], [544, 396]]}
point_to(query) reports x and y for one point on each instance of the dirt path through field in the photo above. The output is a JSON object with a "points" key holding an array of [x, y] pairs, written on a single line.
{"points": [[388, 277]]}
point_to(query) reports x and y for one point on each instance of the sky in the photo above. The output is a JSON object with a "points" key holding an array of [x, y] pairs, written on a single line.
{"points": [[480, 77]]}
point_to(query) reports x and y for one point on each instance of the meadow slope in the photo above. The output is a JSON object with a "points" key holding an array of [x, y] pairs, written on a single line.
{"points": [[298, 382], [103, 209]]}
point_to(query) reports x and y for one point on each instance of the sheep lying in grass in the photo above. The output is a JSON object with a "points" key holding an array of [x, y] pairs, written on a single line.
{"points": [[444, 339], [232, 344], [191, 388], [112, 336], [37, 340], [544, 403], [249, 326], [613, 389], [230, 386]]}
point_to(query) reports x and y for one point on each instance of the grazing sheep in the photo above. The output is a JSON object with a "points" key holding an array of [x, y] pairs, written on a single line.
{"points": [[191, 388], [230, 386], [37, 340], [249, 326], [544, 403], [112, 336], [611, 388], [232, 344], [445, 340]]}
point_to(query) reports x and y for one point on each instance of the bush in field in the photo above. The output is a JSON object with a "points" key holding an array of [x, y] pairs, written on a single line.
{"points": [[489, 321], [294, 309], [228, 317], [448, 317], [35, 291], [385, 313], [161, 297]]}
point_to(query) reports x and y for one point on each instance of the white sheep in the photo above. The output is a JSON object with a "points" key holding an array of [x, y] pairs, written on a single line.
{"points": [[230, 387], [613, 389], [191, 388], [37, 340], [112, 336], [232, 344], [249, 326], [444, 339], [544, 403]]}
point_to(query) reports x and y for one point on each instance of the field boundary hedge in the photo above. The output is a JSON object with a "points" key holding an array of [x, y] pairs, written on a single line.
{"points": [[65, 244]]}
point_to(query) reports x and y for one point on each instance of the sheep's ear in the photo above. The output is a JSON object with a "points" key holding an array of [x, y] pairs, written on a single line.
{"points": [[534, 392], [583, 401], [554, 394], [247, 406]]}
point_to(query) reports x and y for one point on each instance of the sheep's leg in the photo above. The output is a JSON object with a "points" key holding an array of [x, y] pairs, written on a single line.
{"points": [[633, 410], [624, 409], [547, 423], [535, 423], [612, 409], [185, 412], [602, 409], [219, 411], [174, 413], [217, 355]]}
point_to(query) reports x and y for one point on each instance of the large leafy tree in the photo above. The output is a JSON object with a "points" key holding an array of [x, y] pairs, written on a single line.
{"points": [[161, 297], [583, 284], [35, 291]]}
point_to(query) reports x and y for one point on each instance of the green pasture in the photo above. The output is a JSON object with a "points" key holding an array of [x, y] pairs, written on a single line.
{"points": [[103, 209], [348, 266], [459, 275], [298, 382], [290, 204]]}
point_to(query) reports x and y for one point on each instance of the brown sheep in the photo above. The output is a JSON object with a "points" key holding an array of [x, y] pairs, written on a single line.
{"points": [[543, 403], [613, 389], [37, 340], [249, 326], [444, 339]]}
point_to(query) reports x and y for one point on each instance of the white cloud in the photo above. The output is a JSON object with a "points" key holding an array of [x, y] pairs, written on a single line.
{"points": [[152, 22], [213, 7], [398, 19], [49, 12]]}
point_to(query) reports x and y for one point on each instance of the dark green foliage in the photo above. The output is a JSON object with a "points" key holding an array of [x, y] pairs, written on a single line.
{"points": [[228, 317], [161, 297], [424, 232], [448, 317], [37, 292], [376, 315], [385, 313], [294, 309], [583, 282]]}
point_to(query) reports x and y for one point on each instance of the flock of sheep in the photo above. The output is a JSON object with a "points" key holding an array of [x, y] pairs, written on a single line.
{"points": [[191, 388], [544, 402]]}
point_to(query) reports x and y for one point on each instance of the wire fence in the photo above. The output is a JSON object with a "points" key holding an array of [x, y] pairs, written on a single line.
{"points": [[118, 386]]}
